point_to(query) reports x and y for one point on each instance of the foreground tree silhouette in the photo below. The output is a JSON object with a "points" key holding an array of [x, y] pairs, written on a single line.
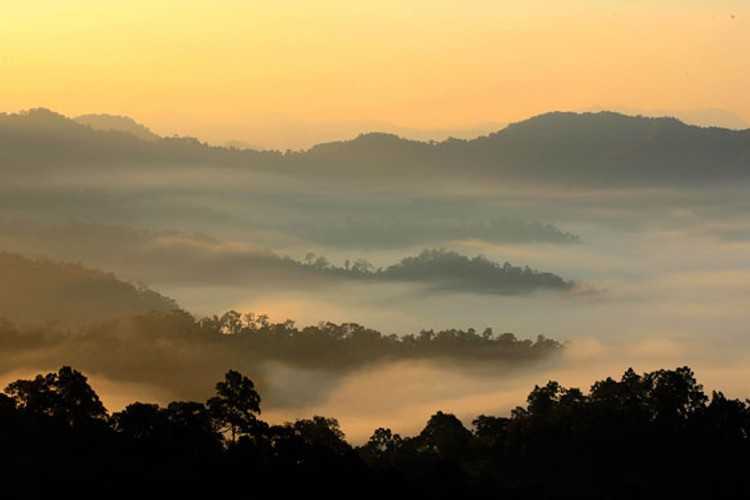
{"points": [[65, 395], [650, 435], [236, 405], [381, 444], [141, 421], [444, 435], [321, 432]]}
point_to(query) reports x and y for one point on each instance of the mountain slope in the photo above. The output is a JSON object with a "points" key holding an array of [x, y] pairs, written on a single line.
{"points": [[35, 290], [603, 149], [600, 147], [119, 124], [40, 138]]}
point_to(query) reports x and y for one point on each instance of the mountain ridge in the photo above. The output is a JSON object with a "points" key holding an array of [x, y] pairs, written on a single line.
{"points": [[119, 123], [596, 148]]}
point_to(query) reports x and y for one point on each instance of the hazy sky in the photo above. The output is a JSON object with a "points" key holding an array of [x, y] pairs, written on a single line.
{"points": [[292, 72]]}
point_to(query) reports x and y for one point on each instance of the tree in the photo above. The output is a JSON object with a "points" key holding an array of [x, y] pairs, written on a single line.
{"points": [[543, 400], [490, 430], [382, 445], [65, 395], [321, 432], [7, 406], [445, 435], [35, 397], [231, 323], [236, 405], [191, 425], [141, 421], [675, 394], [78, 402]]}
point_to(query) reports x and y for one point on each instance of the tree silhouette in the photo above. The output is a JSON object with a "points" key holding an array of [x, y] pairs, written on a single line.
{"points": [[141, 421], [646, 435], [445, 435], [383, 442], [65, 395], [321, 432], [236, 405]]}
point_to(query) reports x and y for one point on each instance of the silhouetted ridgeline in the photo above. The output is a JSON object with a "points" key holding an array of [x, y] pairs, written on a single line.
{"points": [[651, 435], [169, 258], [175, 352], [589, 148], [42, 138], [36, 290], [451, 271], [445, 270], [117, 123]]}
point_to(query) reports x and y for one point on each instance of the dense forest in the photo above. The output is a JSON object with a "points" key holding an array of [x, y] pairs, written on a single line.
{"points": [[441, 269], [175, 351], [640, 436]]}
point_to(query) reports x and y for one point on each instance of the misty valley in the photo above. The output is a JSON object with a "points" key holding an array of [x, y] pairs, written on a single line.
{"points": [[410, 316]]}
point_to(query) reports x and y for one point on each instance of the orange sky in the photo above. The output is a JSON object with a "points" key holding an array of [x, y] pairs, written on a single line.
{"points": [[290, 73]]}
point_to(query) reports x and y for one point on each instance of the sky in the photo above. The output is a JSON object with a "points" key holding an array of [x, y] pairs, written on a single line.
{"points": [[290, 73]]}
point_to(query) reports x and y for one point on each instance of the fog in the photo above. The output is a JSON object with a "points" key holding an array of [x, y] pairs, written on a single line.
{"points": [[653, 292], [658, 271], [658, 299]]}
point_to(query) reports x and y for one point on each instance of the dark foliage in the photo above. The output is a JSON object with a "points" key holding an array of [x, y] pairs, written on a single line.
{"points": [[349, 344], [440, 269], [453, 271], [655, 435], [177, 352]]}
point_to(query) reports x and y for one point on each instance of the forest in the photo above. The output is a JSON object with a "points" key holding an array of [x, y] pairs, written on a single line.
{"points": [[643, 435], [375, 249], [175, 351]]}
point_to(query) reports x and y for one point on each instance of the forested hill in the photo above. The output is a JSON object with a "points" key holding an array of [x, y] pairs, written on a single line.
{"points": [[43, 139], [175, 352], [117, 123], [39, 290], [598, 149]]}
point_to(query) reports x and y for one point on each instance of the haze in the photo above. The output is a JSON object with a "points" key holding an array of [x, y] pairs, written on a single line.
{"points": [[444, 202], [290, 74]]}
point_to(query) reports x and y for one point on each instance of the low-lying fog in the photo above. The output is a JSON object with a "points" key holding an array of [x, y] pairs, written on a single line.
{"points": [[662, 280], [657, 298]]}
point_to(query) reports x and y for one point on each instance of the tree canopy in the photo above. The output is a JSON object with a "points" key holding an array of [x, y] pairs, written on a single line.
{"points": [[655, 433]]}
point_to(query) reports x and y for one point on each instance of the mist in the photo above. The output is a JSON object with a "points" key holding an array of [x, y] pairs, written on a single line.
{"points": [[644, 273]]}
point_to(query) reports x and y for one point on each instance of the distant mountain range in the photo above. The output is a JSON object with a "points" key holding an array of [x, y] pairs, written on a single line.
{"points": [[118, 123], [602, 148]]}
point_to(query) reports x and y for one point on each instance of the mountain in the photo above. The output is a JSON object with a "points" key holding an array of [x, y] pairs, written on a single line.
{"points": [[598, 149], [42, 139], [117, 123], [37, 290], [445, 270]]}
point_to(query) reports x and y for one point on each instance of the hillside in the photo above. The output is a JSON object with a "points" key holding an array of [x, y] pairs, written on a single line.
{"points": [[37, 291], [600, 149], [117, 123], [43, 139]]}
